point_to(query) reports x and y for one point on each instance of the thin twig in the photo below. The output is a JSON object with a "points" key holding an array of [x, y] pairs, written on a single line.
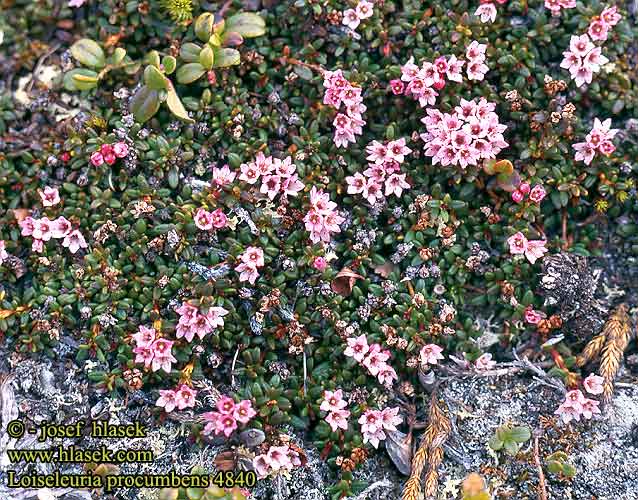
{"points": [[232, 368], [542, 488]]}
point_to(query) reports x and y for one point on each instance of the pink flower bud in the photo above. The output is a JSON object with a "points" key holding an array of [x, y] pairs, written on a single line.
{"points": [[110, 158], [106, 149], [517, 196], [97, 159], [440, 83], [524, 187], [120, 149], [319, 264], [397, 86]]}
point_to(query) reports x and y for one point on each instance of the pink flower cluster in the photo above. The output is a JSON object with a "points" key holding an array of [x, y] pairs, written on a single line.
{"points": [[533, 249], [430, 354], [322, 220], [372, 357], [224, 420], [599, 26], [476, 67], [532, 316], [536, 194], [484, 362], [277, 459], [470, 133], [576, 405], [154, 352], [341, 91], [423, 82], [555, 6], [181, 397], [207, 221], [385, 164], [335, 407], [109, 153], [193, 322], [353, 17], [50, 196], [250, 262], [277, 176], [43, 229], [599, 140], [3, 252], [583, 59], [375, 422]]}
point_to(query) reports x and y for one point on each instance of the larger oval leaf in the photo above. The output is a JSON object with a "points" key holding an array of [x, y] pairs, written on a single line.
{"points": [[190, 72], [89, 53], [189, 52], [247, 24], [175, 105], [154, 78], [226, 57], [145, 104], [80, 79]]}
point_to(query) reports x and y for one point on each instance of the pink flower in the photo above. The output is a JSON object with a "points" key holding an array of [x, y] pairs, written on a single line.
{"points": [[167, 400], [475, 52], [374, 438], [120, 149], [76, 3], [430, 354], [244, 411], [144, 337], [371, 421], [537, 194], [606, 148], [143, 354], [60, 227], [203, 220], [580, 45], [162, 356], [42, 229], [106, 149], [387, 375], [338, 420], [271, 185], [37, 246], [226, 405], [279, 457], [390, 418], [351, 19], [524, 187], [397, 150], [261, 464], [593, 384], [253, 256], [484, 362], [218, 219], [535, 250], [610, 16], [249, 173], [454, 69], [395, 184], [364, 9], [50, 196], [590, 408], [574, 398], [517, 243], [333, 401], [225, 424], [74, 241], [517, 196], [397, 87], [247, 272], [568, 413], [532, 316], [185, 397], [320, 264], [376, 359], [223, 176], [487, 12], [584, 152], [357, 347], [598, 30], [27, 226], [97, 159], [3, 252]]}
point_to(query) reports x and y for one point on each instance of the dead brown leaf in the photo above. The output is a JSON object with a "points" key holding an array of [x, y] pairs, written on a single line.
{"points": [[344, 281]]}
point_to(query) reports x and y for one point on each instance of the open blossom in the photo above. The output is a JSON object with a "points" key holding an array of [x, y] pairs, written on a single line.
{"points": [[599, 139], [340, 91], [532, 316], [532, 249], [397, 87], [167, 400], [74, 241], [593, 384], [228, 414], [223, 176], [375, 422], [487, 12], [185, 397], [351, 19], [430, 354], [576, 405], [555, 6], [278, 177], [357, 347], [338, 419], [322, 220], [250, 262], [485, 362], [50, 196], [244, 411], [193, 322], [278, 458], [333, 401], [537, 194], [162, 356]]}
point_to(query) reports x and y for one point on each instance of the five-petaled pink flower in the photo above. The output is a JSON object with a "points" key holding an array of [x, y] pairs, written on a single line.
{"points": [[430, 354], [50, 196]]}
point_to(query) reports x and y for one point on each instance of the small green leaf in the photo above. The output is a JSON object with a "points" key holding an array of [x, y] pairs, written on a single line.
{"points": [[495, 443], [118, 55], [247, 24], [80, 79], [511, 447], [520, 434], [226, 57], [89, 53], [153, 58], [204, 26], [169, 63], [190, 72], [145, 103], [154, 78]]}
